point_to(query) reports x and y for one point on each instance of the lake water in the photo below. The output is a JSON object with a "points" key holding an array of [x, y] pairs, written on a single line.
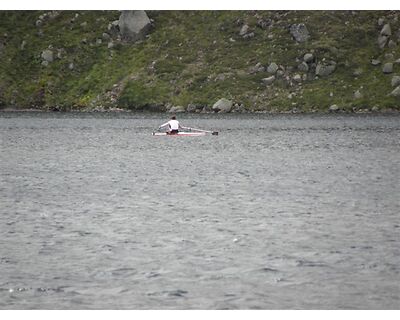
{"points": [[276, 212]]}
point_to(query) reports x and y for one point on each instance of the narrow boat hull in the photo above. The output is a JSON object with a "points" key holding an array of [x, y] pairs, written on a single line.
{"points": [[180, 134]]}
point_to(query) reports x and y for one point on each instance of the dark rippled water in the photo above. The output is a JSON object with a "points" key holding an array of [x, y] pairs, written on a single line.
{"points": [[277, 212]]}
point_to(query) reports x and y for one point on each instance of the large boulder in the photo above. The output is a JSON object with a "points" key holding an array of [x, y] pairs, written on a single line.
{"points": [[272, 68], [308, 57], [134, 25], [382, 40], [299, 32], [324, 70], [387, 67], [222, 105], [386, 30]]}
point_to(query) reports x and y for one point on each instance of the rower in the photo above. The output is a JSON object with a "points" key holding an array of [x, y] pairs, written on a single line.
{"points": [[173, 125]]}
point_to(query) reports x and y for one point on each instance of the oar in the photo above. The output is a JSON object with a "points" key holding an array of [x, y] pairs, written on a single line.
{"points": [[214, 133]]}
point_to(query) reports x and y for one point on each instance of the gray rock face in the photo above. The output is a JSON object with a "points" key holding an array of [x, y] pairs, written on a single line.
{"points": [[386, 30], [324, 70], [222, 105], [299, 32], [387, 67], [396, 92], [134, 25], [272, 68], [47, 55], [303, 67], [268, 80], [395, 81]]}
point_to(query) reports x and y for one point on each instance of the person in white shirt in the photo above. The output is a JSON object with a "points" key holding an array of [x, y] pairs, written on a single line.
{"points": [[173, 125]]}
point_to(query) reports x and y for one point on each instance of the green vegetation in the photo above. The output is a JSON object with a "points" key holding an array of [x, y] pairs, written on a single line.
{"points": [[194, 57]]}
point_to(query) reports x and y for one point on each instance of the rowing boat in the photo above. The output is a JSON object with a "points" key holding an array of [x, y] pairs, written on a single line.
{"points": [[180, 134], [191, 132]]}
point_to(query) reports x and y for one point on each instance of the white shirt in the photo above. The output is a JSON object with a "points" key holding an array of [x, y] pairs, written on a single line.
{"points": [[173, 124]]}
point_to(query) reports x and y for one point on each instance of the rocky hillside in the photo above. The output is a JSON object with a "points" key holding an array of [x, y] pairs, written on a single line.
{"points": [[273, 61]]}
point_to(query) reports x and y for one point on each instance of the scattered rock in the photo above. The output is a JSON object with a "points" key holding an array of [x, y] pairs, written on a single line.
{"points": [[387, 68], [244, 30], [191, 108], [375, 62], [391, 44], [222, 105], [357, 72], [23, 44], [71, 66], [308, 57], [134, 25], [110, 45], [381, 21], [333, 108], [299, 32], [176, 109], [324, 70], [84, 24], [297, 78], [382, 40], [280, 73], [99, 41], [248, 35], [386, 30], [238, 107], [105, 36], [47, 55], [268, 80], [264, 24], [113, 28], [395, 81], [389, 56], [375, 109], [357, 95], [272, 68], [303, 67], [257, 68], [396, 92]]}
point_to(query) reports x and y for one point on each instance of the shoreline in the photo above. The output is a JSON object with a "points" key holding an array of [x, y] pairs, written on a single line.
{"points": [[360, 111]]}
